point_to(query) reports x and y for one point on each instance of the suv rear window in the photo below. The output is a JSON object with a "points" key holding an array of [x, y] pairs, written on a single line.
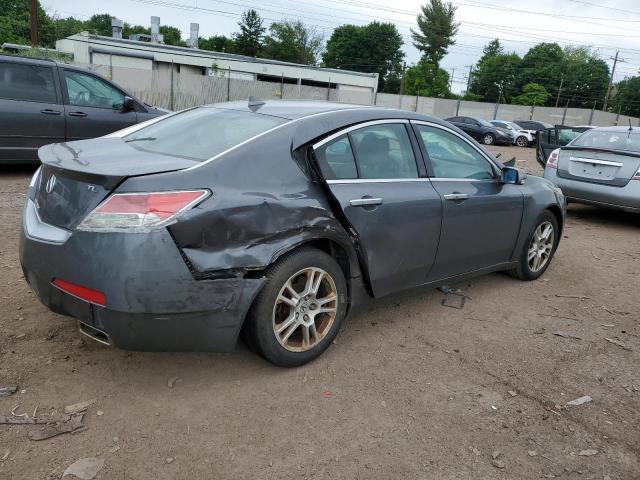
{"points": [[201, 133], [32, 83]]}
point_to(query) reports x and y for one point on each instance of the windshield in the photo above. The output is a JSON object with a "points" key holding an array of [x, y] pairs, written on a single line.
{"points": [[628, 140], [201, 133]]}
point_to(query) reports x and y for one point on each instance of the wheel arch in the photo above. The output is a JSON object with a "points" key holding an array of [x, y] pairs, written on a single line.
{"points": [[555, 210]]}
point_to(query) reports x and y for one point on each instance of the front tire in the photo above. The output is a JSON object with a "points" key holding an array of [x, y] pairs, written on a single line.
{"points": [[539, 248], [299, 311], [488, 139], [522, 141]]}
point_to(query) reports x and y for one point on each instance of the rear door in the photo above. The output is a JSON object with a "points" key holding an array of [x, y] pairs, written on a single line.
{"points": [[31, 113], [481, 216], [93, 107], [551, 138], [375, 172]]}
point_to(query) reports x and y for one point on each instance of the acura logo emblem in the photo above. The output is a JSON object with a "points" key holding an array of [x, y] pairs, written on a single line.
{"points": [[51, 183]]}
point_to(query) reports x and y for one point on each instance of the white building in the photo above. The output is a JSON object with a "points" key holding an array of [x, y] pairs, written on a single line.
{"points": [[149, 55]]}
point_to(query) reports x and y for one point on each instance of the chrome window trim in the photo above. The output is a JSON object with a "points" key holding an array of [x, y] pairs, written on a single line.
{"points": [[476, 148], [376, 180], [358, 126]]}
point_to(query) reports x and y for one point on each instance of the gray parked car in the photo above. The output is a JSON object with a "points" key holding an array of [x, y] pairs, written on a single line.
{"points": [[42, 101], [272, 219], [600, 167]]}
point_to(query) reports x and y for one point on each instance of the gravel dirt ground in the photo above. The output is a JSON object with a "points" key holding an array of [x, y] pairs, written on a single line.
{"points": [[411, 389]]}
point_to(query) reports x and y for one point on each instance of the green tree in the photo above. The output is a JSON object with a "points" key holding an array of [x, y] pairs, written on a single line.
{"points": [[65, 27], [586, 77], [172, 36], [627, 97], [15, 25], [426, 79], [496, 77], [436, 30], [99, 24], [249, 40], [532, 94], [128, 30], [372, 48], [292, 41], [217, 43], [542, 64], [491, 49]]}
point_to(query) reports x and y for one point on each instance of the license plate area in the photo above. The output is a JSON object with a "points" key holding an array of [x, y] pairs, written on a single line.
{"points": [[593, 170]]}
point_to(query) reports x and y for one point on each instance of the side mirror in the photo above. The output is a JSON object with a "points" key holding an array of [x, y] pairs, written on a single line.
{"points": [[128, 104], [513, 175]]}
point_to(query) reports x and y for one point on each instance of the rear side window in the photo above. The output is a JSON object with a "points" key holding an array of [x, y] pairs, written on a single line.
{"points": [[336, 159], [201, 133], [31, 83], [384, 151], [88, 91]]}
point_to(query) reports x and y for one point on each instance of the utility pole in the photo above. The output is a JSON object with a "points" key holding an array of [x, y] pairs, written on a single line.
{"points": [[33, 14], [469, 79], [453, 72], [404, 65], [559, 89], [613, 71]]}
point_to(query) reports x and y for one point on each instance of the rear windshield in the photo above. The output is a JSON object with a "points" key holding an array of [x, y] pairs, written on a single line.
{"points": [[628, 140], [201, 133]]}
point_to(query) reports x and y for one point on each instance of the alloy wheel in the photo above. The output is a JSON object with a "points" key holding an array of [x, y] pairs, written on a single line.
{"points": [[305, 309], [521, 141], [488, 139], [540, 248]]}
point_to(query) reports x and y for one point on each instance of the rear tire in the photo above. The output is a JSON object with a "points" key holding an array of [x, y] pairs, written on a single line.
{"points": [[488, 139], [539, 248], [522, 141], [300, 309]]}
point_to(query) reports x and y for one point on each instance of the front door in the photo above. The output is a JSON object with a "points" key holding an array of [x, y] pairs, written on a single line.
{"points": [[373, 172], [31, 113], [93, 107], [481, 216]]}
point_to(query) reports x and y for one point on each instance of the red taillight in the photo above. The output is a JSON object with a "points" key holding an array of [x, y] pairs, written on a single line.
{"points": [[140, 212], [83, 293], [552, 162]]}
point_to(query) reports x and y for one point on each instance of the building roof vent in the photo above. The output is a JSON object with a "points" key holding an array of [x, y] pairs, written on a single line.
{"points": [[193, 37], [116, 27]]}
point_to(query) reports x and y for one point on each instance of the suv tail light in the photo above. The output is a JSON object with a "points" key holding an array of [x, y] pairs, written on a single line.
{"points": [[140, 212], [552, 162]]}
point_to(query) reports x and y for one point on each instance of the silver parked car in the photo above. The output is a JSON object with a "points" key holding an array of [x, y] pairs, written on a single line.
{"points": [[600, 167]]}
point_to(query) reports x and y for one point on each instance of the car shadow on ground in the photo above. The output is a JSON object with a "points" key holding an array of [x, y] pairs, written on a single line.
{"points": [[602, 216]]}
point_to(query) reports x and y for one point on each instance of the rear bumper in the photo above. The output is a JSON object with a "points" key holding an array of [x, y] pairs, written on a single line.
{"points": [[153, 301], [624, 198]]}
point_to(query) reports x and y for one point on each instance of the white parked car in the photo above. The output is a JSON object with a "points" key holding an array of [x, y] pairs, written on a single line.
{"points": [[521, 137]]}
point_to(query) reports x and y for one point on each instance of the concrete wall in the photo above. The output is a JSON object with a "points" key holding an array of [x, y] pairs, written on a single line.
{"points": [[186, 89]]}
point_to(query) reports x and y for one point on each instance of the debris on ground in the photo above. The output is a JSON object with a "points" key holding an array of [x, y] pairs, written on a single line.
{"points": [[85, 468], [454, 298], [496, 461], [328, 393], [513, 393], [587, 453], [532, 453], [79, 407], [581, 297], [567, 335], [580, 401], [169, 459], [99, 413], [475, 451], [172, 381], [6, 455], [618, 343], [52, 425], [6, 390]]}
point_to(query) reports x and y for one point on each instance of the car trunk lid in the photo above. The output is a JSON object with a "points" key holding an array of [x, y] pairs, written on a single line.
{"points": [[76, 176], [596, 165]]}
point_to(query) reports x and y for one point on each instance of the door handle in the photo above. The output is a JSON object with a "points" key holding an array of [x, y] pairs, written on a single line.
{"points": [[77, 114], [456, 196], [362, 202], [49, 111]]}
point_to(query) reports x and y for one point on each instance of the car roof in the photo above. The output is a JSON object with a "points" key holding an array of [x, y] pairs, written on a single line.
{"points": [[33, 61], [298, 109]]}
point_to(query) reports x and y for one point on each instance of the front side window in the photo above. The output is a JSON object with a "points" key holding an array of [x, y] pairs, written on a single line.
{"points": [[453, 157], [384, 151], [201, 133], [89, 91], [31, 83]]}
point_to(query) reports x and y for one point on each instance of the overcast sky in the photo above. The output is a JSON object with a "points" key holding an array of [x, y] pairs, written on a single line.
{"points": [[519, 24]]}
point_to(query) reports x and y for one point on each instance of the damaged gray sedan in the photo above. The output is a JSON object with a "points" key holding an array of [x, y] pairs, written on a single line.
{"points": [[271, 220]]}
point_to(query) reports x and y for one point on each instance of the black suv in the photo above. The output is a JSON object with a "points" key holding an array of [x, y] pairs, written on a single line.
{"points": [[42, 101], [482, 130]]}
